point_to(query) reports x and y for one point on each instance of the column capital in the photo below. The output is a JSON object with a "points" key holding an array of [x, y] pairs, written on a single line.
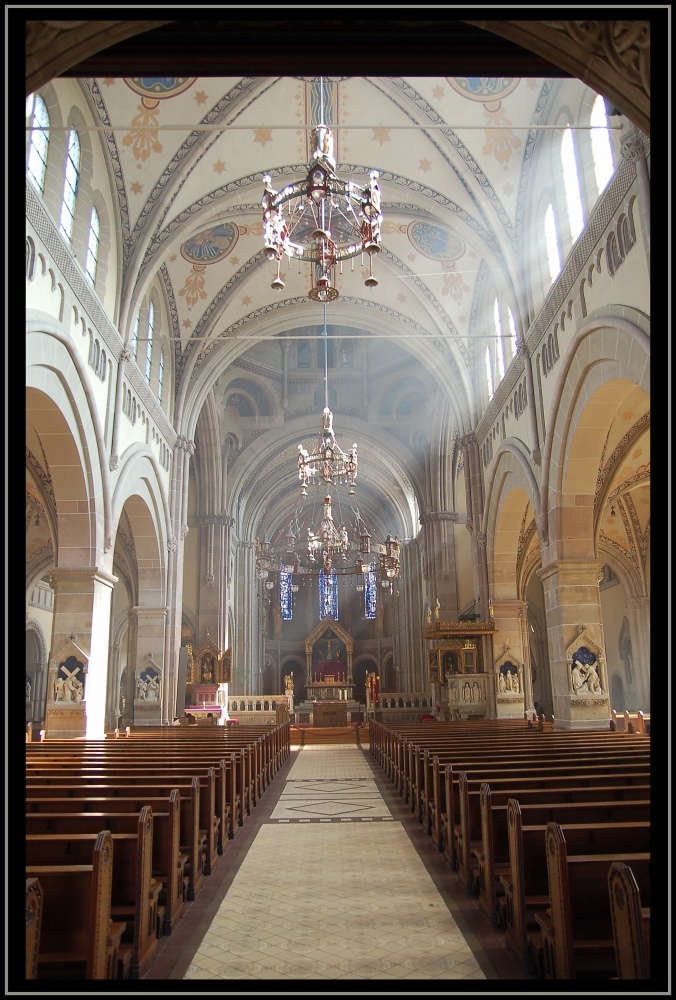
{"points": [[631, 146], [68, 574], [435, 516]]}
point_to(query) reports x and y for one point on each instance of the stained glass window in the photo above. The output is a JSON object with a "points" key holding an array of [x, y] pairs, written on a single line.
{"points": [[93, 246], [370, 591], [328, 594], [285, 594], [149, 343]]}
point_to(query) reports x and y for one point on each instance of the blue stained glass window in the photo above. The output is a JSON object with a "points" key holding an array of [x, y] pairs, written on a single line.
{"points": [[285, 595], [370, 592], [328, 595]]}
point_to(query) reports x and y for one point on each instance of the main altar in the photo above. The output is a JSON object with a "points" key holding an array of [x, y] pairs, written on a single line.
{"points": [[329, 686]]}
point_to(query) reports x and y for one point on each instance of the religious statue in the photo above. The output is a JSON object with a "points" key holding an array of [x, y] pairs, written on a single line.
{"points": [[59, 688], [593, 682], [437, 608], [578, 677], [207, 668], [28, 690], [502, 684], [428, 616], [288, 682], [141, 689], [75, 688], [153, 688]]}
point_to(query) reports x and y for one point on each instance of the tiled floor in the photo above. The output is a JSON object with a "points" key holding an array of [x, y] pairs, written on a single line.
{"points": [[331, 878]]}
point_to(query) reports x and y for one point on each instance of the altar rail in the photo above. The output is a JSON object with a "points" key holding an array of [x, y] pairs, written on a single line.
{"points": [[256, 710], [403, 706]]}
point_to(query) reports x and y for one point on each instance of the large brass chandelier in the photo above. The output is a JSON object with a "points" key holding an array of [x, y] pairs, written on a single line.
{"points": [[322, 219]]}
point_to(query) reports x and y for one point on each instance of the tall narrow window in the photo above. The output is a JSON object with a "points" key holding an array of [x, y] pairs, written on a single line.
{"points": [[134, 339], [70, 185], [571, 184], [285, 594], [552, 245], [93, 247], [499, 346], [370, 591], [328, 594], [511, 336], [149, 342], [602, 150], [160, 377], [39, 143], [489, 373]]}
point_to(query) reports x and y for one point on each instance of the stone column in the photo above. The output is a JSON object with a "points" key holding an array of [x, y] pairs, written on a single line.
{"points": [[248, 646], [638, 613], [531, 409], [82, 604], [633, 150], [213, 582], [571, 590], [151, 626], [285, 372], [438, 533], [178, 502]]}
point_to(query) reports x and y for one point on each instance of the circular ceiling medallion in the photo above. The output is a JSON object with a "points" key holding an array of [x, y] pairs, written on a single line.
{"points": [[158, 88], [435, 242], [483, 88], [211, 245]]}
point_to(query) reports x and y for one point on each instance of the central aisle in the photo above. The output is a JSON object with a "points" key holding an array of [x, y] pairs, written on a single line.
{"points": [[332, 877], [332, 888]]}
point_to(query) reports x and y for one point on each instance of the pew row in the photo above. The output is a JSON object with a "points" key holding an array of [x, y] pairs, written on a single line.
{"points": [[631, 923], [78, 939]]}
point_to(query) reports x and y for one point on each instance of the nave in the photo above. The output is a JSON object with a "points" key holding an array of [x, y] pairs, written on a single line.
{"points": [[332, 878]]}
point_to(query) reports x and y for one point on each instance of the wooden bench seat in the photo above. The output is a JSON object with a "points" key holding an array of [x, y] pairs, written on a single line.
{"points": [[490, 860], [192, 840], [631, 923], [34, 901], [526, 887], [577, 928], [78, 939], [134, 892], [168, 862]]}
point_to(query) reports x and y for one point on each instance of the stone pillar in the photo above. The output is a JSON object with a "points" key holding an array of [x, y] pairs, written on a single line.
{"points": [[213, 581], [438, 533], [150, 630], [571, 590], [531, 409], [247, 649], [285, 345], [638, 614], [178, 502], [475, 504], [82, 603], [633, 150]]}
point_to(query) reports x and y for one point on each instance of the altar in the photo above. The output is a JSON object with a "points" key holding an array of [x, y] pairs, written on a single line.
{"points": [[329, 682]]}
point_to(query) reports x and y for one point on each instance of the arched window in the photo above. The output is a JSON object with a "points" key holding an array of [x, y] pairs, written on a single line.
{"points": [[70, 185], [93, 246], [602, 150], [134, 339], [370, 591], [149, 342], [39, 142], [571, 184], [160, 377], [510, 340], [285, 594], [489, 373], [499, 346], [328, 594], [552, 244]]}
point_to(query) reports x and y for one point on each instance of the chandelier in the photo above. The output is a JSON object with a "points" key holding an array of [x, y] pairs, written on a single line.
{"points": [[322, 219], [301, 549]]}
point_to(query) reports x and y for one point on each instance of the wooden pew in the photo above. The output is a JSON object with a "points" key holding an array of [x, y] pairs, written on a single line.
{"points": [[527, 888], [168, 863], [491, 859], [78, 939], [192, 843], [577, 926], [581, 773], [134, 893], [631, 923], [34, 901]]}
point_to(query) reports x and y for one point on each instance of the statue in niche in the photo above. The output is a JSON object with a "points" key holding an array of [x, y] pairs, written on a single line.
{"points": [[584, 675], [152, 688], [502, 683]]}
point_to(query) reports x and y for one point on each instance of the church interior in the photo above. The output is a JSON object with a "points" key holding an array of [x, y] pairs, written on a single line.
{"points": [[337, 389]]}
